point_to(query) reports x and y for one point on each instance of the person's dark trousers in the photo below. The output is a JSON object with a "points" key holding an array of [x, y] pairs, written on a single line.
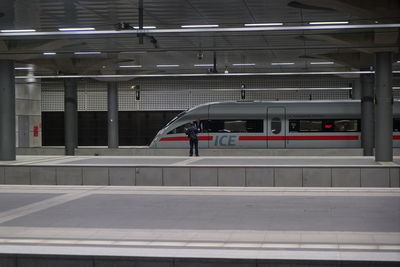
{"points": [[195, 143]]}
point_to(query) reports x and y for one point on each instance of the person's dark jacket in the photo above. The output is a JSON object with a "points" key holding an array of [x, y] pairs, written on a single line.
{"points": [[192, 132]]}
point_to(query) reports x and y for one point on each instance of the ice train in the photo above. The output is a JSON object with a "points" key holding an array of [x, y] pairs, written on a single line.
{"points": [[272, 124]]}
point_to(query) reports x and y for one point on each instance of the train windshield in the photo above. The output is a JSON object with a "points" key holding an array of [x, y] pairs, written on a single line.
{"points": [[177, 117]]}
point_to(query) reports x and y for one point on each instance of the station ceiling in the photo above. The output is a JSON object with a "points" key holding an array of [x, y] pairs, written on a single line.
{"points": [[295, 44]]}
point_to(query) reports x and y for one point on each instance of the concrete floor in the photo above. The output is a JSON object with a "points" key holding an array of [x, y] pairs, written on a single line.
{"points": [[251, 223]]}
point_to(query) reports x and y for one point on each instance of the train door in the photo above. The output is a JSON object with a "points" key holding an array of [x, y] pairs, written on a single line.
{"points": [[276, 127]]}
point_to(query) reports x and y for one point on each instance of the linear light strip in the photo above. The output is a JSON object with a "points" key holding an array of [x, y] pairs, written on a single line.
{"points": [[282, 63], [243, 64], [199, 75], [328, 22], [281, 89], [194, 30], [76, 29], [87, 53], [200, 26], [262, 24], [167, 66], [130, 66], [18, 31], [322, 63], [145, 27]]}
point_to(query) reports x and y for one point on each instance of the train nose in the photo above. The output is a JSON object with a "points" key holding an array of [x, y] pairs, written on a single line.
{"points": [[153, 143]]}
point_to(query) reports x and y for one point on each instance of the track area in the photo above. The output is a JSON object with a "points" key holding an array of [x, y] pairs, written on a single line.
{"points": [[223, 223]]}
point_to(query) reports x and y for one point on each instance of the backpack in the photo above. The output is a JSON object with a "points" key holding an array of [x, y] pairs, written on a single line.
{"points": [[192, 133]]}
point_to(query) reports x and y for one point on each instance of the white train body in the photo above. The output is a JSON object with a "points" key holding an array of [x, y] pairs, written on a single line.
{"points": [[291, 124]]}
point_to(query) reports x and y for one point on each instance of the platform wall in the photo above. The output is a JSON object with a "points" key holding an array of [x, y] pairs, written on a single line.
{"points": [[101, 261], [203, 176]]}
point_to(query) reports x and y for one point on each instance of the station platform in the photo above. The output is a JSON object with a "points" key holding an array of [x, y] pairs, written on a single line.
{"points": [[262, 171], [198, 226], [209, 152]]}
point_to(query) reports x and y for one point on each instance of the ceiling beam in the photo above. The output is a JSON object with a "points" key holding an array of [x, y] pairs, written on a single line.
{"points": [[205, 30], [117, 76]]}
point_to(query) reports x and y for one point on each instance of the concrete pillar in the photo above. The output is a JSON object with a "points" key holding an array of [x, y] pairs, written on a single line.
{"points": [[112, 115], [70, 116], [7, 110], [383, 107], [367, 114], [356, 90]]}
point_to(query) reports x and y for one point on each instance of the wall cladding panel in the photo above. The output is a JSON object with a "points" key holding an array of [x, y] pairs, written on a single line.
{"points": [[181, 94], [161, 99]]}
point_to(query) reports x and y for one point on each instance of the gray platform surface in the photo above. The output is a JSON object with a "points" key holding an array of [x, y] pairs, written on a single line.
{"points": [[295, 161], [249, 223]]}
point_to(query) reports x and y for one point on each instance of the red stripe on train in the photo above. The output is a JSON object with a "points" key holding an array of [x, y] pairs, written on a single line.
{"points": [[326, 137], [303, 138], [185, 138], [253, 138], [277, 138]]}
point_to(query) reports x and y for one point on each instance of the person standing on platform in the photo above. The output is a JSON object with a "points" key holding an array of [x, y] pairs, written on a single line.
{"points": [[192, 132]]}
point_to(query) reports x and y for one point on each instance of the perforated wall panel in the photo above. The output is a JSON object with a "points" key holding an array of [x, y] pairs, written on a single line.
{"points": [[180, 94], [52, 96]]}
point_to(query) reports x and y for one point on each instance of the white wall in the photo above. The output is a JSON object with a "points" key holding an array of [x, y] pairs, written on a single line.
{"points": [[28, 107]]}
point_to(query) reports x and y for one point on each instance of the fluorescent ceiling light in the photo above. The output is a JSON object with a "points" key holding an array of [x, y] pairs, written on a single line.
{"points": [[262, 24], [23, 30], [130, 66], [200, 26], [167, 66], [204, 65], [398, 61], [322, 63], [49, 53], [145, 27], [282, 63], [328, 22], [76, 29], [200, 74], [87, 53], [244, 64], [133, 52], [24, 68]]}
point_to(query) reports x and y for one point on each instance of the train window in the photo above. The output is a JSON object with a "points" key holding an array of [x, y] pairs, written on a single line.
{"points": [[180, 129], [294, 125], [310, 126], [235, 126], [396, 125], [346, 125], [255, 126], [329, 125], [276, 125]]}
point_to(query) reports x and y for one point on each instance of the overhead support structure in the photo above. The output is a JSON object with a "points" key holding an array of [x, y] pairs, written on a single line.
{"points": [[112, 114], [214, 69], [70, 116], [140, 35], [202, 30], [367, 114], [356, 90], [7, 110], [383, 107]]}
